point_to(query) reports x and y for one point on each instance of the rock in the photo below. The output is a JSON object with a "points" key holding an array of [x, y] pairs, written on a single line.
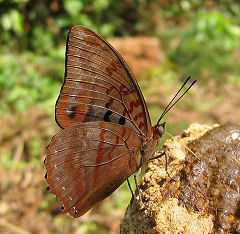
{"points": [[200, 194]]}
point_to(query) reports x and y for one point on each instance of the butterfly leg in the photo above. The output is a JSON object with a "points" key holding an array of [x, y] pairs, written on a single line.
{"points": [[166, 162], [137, 187], [129, 185], [158, 156]]}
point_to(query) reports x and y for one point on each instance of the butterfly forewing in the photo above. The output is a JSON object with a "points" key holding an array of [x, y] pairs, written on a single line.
{"points": [[87, 162], [99, 86]]}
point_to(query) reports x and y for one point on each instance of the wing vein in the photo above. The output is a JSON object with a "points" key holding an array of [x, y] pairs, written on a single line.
{"points": [[92, 62], [91, 77], [94, 47], [91, 90], [94, 70], [76, 176], [81, 151], [101, 107]]}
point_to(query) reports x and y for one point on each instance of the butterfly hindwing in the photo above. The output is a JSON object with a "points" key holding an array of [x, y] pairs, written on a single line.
{"points": [[85, 163], [99, 86]]}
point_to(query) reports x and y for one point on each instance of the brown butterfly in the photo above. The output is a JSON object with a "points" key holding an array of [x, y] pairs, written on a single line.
{"points": [[107, 133]]}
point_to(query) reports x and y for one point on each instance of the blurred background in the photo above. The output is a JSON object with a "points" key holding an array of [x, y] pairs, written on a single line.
{"points": [[162, 41]]}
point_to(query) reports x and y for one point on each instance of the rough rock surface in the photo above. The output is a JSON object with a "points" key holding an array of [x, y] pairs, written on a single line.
{"points": [[201, 194]]}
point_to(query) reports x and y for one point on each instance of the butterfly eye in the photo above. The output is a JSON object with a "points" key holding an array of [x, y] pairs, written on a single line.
{"points": [[160, 129]]}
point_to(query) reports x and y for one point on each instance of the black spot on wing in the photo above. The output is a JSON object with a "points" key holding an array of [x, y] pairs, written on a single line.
{"points": [[107, 115], [70, 111], [122, 120]]}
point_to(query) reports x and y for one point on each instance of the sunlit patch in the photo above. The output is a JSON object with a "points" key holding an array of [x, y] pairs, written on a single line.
{"points": [[235, 136]]}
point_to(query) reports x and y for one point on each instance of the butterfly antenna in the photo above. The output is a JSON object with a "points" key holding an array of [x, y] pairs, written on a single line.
{"points": [[173, 101]]}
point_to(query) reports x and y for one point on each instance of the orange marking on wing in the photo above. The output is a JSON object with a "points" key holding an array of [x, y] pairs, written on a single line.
{"points": [[124, 112], [117, 142], [124, 132], [110, 102], [110, 89], [140, 115], [111, 151], [141, 125], [80, 190], [79, 205], [116, 66], [125, 91], [109, 70], [100, 155], [109, 155], [133, 104], [112, 68]]}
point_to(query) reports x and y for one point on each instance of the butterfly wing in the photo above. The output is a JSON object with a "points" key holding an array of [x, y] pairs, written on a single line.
{"points": [[85, 163], [99, 86]]}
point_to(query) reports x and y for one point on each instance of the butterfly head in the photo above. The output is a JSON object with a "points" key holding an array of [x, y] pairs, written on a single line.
{"points": [[148, 149], [160, 130]]}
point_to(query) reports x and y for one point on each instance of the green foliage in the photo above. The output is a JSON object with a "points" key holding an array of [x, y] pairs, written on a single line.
{"points": [[42, 40], [91, 227], [7, 162], [35, 151], [91, 14], [44, 204], [21, 85], [12, 20], [41, 26], [206, 48], [61, 222]]}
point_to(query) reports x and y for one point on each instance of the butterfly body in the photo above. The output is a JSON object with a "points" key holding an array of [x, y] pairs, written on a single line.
{"points": [[107, 133]]}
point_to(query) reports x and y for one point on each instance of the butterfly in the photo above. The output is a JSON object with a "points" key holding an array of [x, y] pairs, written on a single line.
{"points": [[106, 131]]}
